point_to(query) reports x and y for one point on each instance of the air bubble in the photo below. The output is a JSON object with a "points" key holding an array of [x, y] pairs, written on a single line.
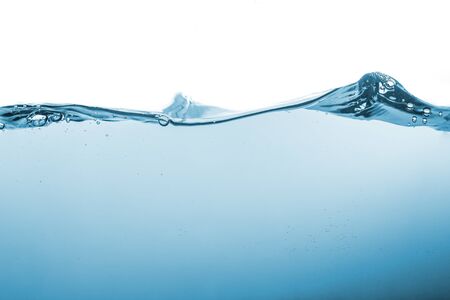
{"points": [[440, 114], [56, 117], [424, 121], [410, 106], [381, 88], [414, 119], [68, 119], [163, 120], [37, 120], [426, 111], [97, 122], [2, 126], [390, 83]]}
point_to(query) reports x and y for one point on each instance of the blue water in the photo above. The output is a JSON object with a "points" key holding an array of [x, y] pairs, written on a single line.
{"points": [[298, 203]]}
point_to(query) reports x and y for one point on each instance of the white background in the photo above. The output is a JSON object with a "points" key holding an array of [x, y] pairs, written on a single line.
{"points": [[236, 54]]}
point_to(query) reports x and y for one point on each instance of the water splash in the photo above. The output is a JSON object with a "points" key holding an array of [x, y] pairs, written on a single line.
{"points": [[376, 96], [25, 116]]}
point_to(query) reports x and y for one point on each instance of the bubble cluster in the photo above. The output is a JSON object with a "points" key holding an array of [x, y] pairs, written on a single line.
{"points": [[37, 120], [386, 83]]}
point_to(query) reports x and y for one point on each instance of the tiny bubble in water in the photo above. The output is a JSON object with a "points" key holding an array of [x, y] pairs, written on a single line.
{"points": [[440, 114], [97, 122], [414, 119], [426, 111], [424, 120], [2, 126], [410, 106]]}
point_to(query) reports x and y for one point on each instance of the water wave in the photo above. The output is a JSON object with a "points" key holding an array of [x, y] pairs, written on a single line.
{"points": [[376, 96]]}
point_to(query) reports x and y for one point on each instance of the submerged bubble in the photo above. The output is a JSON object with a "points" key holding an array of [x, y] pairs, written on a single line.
{"points": [[56, 117], [390, 83], [381, 88], [414, 119], [440, 114], [426, 111], [424, 121], [163, 120], [97, 122], [2, 126], [37, 120], [68, 118], [410, 106]]}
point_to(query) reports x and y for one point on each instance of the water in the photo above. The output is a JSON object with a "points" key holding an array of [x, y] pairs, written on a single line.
{"points": [[299, 205], [375, 96]]}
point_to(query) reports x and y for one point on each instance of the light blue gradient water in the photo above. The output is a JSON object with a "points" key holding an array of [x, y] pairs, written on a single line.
{"points": [[286, 205]]}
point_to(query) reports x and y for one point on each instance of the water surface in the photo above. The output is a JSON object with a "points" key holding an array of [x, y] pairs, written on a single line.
{"points": [[298, 203]]}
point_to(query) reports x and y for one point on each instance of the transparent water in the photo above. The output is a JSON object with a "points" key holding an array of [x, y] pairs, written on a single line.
{"points": [[293, 204]]}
